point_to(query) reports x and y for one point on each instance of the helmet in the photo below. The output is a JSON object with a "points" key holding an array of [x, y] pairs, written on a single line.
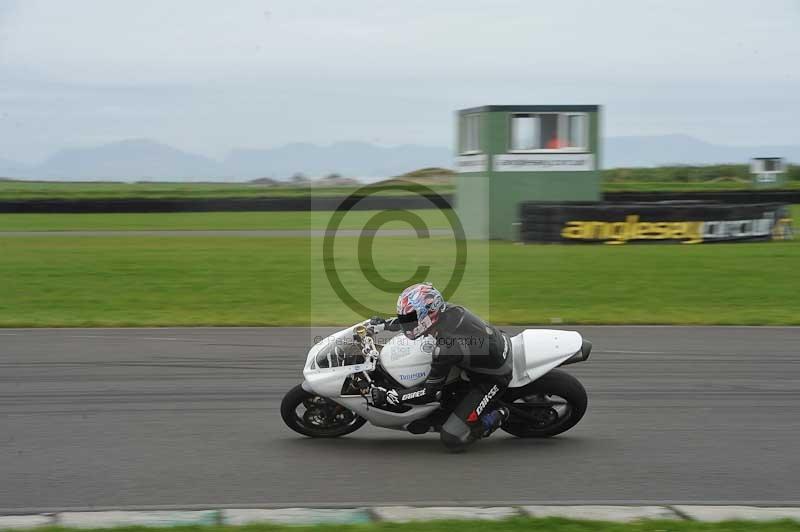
{"points": [[419, 308]]}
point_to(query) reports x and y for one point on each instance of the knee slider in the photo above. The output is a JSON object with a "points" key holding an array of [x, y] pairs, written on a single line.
{"points": [[453, 443]]}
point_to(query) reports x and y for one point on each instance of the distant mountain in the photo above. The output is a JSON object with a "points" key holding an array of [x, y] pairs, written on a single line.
{"points": [[143, 159], [684, 150], [356, 159], [128, 160]]}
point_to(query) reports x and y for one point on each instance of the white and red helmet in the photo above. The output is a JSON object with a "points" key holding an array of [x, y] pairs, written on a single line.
{"points": [[419, 308]]}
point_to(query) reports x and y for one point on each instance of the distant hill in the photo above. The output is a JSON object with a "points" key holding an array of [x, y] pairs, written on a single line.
{"points": [[264, 181], [423, 176], [356, 159], [423, 173], [144, 159], [128, 160]]}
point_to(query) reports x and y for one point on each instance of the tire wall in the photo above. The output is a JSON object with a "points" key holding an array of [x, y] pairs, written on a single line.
{"points": [[331, 203], [128, 205]]}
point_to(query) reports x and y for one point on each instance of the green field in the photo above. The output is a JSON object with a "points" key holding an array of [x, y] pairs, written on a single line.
{"points": [[195, 221], [48, 190], [510, 525], [67, 280], [220, 221], [677, 186], [105, 281], [86, 190]]}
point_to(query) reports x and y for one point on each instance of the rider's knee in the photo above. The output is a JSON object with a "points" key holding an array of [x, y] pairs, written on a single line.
{"points": [[453, 443], [455, 434]]}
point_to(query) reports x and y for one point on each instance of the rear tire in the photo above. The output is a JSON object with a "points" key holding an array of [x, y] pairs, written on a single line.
{"points": [[337, 420], [556, 384]]}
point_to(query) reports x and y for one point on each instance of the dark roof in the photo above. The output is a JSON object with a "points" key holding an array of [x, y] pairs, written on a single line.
{"points": [[532, 109]]}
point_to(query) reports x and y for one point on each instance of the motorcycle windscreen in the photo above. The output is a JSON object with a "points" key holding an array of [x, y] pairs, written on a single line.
{"points": [[336, 355]]}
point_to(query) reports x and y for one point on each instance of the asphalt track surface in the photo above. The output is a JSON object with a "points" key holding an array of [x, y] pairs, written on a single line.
{"points": [[189, 418]]}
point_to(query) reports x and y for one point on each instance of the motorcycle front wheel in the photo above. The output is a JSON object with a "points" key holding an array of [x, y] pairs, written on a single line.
{"points": [[548, 406], [317, 417]]}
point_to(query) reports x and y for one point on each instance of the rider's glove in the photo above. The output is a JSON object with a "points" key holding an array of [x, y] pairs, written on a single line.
{"points": [[388, 325], [377, 324], [381, 396]]}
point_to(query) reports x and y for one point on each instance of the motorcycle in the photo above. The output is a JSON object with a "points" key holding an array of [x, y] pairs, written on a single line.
{"points": [[334, 399]]}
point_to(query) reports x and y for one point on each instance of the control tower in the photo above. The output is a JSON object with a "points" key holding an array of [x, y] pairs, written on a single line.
{"points": [[513, 153]]}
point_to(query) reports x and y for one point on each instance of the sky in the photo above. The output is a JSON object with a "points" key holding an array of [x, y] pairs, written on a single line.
{"points": [[210, 76]]}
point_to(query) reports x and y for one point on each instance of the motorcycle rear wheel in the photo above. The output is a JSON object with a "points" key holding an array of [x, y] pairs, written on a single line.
{"points": [[321, 418], [557, 399]]}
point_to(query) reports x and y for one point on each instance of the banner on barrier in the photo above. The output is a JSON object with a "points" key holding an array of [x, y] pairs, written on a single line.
{"points": [[692, 223]]}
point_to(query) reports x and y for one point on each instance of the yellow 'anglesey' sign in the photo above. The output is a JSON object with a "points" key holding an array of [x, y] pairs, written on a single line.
{"points": [[687, 232]]}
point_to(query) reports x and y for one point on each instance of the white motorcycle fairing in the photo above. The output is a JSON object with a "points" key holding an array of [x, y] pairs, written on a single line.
{"points": [[331, 361], [537, 351]]}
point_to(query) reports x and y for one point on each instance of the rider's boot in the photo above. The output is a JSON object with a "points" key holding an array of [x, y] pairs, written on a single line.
{"points": [[493, 420]]}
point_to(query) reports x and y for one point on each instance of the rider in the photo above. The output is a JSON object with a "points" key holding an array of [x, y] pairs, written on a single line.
{"points": [[464, 341]]}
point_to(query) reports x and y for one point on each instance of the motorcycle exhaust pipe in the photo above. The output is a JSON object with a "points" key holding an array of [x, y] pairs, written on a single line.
{"points": [[580, 356]]}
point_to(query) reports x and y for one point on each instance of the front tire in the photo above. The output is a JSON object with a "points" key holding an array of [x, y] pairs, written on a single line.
{"points": [[557, 400], [320, 417]]}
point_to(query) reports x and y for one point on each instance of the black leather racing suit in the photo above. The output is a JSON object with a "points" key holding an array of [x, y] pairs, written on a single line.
{"points": [[465, 341]]}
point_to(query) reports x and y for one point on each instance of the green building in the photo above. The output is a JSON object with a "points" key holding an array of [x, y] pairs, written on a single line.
{"points": [[513, 153]]}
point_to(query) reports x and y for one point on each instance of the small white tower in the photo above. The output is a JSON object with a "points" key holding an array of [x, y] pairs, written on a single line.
{"points": [[767, 171]]}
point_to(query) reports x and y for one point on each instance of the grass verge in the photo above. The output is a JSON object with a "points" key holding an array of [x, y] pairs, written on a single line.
{"points": [[18, 190], [511, 525], [677, 186], [155, 281], [197, 221], [221, 221]]}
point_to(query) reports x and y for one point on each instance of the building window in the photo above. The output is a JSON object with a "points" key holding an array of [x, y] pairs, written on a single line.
{"points": [[549, 132], [470, 134], [767, 165], [525, 132], [576, 131]]}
